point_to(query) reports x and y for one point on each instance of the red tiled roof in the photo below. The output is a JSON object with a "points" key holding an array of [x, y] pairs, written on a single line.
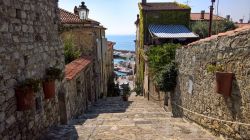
{"points": [[76, 66], [67, 17], [162, 6], [197, 16]]}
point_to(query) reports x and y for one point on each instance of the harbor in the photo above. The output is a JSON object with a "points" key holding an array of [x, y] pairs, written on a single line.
{"points": [[124, 67]]}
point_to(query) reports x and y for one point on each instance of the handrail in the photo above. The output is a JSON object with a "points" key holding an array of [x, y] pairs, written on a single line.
{"points": [[212, 118]]}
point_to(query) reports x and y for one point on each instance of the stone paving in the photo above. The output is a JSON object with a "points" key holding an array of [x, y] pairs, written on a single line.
{"points": [[137, 119]]}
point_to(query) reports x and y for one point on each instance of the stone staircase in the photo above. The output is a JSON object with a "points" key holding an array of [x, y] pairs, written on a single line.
{"points": [[137, 119]]}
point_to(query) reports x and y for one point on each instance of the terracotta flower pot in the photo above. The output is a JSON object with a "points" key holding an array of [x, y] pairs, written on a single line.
{"points": [[224, 83], [25, 98], [49, 89]]}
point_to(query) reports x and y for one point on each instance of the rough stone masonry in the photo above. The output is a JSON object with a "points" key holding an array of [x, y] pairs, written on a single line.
{"points": [[29, 43], [196, 86]]}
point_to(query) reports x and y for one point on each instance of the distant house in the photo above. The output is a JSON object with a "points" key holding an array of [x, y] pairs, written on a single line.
{"points": [[203, 16]]}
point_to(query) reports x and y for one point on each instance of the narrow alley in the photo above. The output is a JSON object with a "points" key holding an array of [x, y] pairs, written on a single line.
{"points": [[137, 119]]}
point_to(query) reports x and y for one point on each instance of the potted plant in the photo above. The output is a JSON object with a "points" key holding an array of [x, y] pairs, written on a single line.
{"points": [[24, 92], [49, 83], [126, 91], [224, 80]]}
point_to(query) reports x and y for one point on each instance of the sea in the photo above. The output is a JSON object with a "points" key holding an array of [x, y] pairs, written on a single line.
{"points": [[123, 42]]}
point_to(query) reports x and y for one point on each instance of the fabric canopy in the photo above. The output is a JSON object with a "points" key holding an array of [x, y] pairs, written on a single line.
{"points": [[171, 31]]}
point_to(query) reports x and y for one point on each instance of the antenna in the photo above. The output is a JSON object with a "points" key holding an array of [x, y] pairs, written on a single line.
{"points": [[186, 2], [249, 18]]}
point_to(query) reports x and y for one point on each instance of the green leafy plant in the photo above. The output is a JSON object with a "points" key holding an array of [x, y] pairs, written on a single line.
{"points": [[138, 89], [70, 51], [201, 28], [166, 78], [161, 55], [30, 83], [212, 68], [162, 65], [53, 73], [126, 89]]}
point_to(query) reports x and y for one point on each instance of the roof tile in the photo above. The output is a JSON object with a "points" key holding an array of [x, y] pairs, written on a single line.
{"points": [[67, 17], [197, 16], [76, 66]]}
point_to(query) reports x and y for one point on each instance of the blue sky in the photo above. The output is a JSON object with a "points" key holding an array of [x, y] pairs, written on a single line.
{"points": [[119, 15]]}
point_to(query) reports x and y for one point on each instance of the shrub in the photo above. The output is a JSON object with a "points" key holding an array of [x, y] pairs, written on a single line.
{"points": [[161, 55], [70, 51], [166, 78], [126, 89], [162, 66], [138, 89]]}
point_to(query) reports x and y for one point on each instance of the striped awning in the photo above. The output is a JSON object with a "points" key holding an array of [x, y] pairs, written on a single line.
{"points": [[170, 31]]}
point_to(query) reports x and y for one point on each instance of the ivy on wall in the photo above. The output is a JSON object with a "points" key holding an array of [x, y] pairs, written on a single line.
{"points": [[169, 17]]}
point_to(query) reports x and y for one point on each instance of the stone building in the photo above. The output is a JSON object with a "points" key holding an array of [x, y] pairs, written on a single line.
{"points": [[29, 45], [159, 23], [89, 38]]}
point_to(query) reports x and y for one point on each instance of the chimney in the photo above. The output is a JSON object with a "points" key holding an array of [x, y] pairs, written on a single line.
{"points": [[202, 14], [228, 17], [76, 10], [144, 1], [241, 20]]}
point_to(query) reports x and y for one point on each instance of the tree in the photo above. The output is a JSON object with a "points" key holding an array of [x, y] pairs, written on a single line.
{"points": [[201, 27]]}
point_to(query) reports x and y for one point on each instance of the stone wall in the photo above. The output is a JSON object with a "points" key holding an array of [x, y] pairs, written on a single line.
{"points": [[196, 85], [155, 95], [79, 89], [152, 93], [29, 43]]}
